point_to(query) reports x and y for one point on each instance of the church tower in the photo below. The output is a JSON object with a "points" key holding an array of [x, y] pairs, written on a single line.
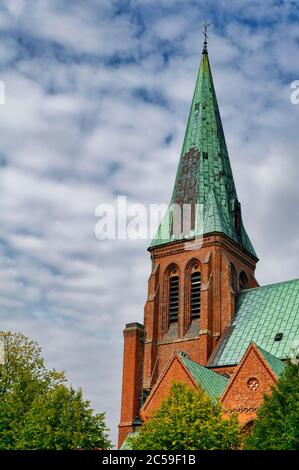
{"points": [[201, 258]]}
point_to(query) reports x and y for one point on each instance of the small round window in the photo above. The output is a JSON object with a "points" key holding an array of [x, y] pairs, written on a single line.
{"points": [[253, 384]]}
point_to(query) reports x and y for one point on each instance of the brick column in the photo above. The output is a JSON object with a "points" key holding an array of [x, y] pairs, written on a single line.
{"points": [[151, 319], [132, 378]]}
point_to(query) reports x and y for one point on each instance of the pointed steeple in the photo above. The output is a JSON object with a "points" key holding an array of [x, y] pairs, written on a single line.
{"points": [[204, 178]]}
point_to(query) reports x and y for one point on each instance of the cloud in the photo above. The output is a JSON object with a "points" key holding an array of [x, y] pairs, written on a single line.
{"points": [[97, 99]]}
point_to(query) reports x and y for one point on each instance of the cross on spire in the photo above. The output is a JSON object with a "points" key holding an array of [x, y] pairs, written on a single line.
{"points": [[205, 44], [204, 180]]}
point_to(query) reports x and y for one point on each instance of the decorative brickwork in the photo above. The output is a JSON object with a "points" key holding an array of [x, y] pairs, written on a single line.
{"points": [[174, 371], [251, 379]]}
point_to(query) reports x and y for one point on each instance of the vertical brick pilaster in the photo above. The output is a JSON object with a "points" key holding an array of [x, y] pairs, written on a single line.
{"points": [[132, 378], [151, 322]]}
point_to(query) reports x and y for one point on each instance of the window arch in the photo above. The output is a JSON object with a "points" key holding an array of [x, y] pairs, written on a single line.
{"points": [[195, 293], [173, 296], [243, 281], [193, 280], [246, 428]]}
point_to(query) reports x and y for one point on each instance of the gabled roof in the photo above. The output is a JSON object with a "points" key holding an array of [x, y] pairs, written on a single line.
{"points": [[252, 364], [261, 313], [212, 383], [195, 375], [204, 175], [275, 364]]}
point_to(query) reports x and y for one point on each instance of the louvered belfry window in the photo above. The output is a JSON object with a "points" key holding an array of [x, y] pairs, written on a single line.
{"points": [[195, 294], [174, 298]]}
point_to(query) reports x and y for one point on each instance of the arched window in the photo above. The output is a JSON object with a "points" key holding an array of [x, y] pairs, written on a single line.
{"points": [[247, 427], [234, 278], [195, 294], [170, 307], [192, 295], [243, 281], [173, 300]]}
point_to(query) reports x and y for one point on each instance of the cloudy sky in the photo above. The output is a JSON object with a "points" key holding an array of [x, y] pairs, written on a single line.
{"points": [[97, 98]]}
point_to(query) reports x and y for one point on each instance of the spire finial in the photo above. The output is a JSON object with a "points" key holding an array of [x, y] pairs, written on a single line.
{"points": [[205, 44]]}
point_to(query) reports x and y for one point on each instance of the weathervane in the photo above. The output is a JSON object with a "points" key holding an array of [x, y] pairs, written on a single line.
{"points": [[205, 44]]}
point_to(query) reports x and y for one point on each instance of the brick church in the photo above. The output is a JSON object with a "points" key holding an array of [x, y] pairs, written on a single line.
{"points": [[207, 322]]}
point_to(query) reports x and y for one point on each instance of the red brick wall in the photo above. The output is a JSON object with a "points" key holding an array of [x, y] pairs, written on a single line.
{"points": [[143, 363], [217, 300], [196, 348], [244, 394], [176, 372], [240, 397]]}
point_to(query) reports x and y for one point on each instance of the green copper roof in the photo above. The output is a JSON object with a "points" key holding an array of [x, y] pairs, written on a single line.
{"points": [[273, 362], [204, 177], [261, 313], [126, 445], [211, 382]]}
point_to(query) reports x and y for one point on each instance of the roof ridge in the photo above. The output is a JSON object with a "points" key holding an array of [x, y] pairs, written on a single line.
{"points": [[273, 362], [182, 356], [244, 291], [262, 313], [211, 382]]}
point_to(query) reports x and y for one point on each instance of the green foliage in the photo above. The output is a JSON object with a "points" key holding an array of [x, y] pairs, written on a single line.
{"points": [[277, 423], [37, 409], [187, 420]]}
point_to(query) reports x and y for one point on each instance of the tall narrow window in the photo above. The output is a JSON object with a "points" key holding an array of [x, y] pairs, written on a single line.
{"points": [[243, 281], [195, 294], [173, 298]]}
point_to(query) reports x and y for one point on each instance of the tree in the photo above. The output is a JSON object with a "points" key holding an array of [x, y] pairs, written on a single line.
{"points": [[277, 423], [187, 420], [37, 408]]}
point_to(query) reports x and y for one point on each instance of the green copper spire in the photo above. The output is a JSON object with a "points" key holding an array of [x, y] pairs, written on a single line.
{"points": [[204, 178]]}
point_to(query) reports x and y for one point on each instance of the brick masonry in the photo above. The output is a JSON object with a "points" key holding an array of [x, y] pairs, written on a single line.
{"points": [[249, 382], [173, 372], [226, 260], [148, 349], [132, 378]]}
